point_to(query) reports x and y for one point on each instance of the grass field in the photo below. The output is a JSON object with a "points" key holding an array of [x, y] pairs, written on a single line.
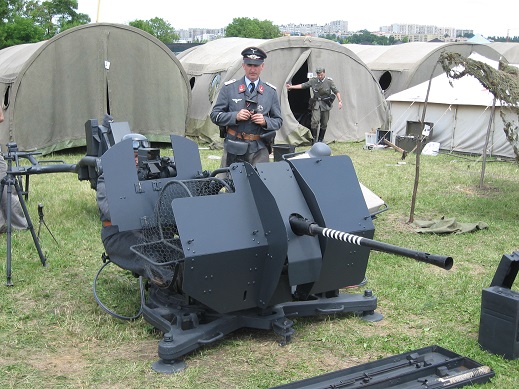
{"points": [[53, 334]]}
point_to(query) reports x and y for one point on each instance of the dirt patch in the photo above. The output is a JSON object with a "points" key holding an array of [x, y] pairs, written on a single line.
{"points": [[486, 191], [67, 362], [398, 223]]}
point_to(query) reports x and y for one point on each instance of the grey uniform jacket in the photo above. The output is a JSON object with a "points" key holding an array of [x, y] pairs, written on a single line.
{"points": [[104, 210], [18, 221], [234, 96], [321, 89]]}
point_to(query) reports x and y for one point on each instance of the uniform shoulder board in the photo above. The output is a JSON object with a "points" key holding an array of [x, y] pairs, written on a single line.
{"points": [[230, 81], [269, 84], [329, 78]]}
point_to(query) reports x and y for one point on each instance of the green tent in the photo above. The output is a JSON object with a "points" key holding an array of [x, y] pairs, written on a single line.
{"points": [[50, 89]]}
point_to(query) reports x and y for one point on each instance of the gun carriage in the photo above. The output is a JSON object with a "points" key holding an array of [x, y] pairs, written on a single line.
{"points": [[255, 248]]}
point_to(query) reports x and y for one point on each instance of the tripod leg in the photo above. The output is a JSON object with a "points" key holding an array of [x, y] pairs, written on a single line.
{"points": [[8, 232], [29, 223], [26, 191], [48, 229]]}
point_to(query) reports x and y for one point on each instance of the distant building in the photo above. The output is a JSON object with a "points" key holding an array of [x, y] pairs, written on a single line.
{"points": [[337, 27], [425, 33], [301, 29], [400, 31], [200, 34]]}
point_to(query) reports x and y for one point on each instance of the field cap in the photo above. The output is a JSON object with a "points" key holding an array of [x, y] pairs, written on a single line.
{"points": [[253, 56]]}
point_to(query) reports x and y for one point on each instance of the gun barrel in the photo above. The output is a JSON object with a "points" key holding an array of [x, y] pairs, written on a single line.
{"points": [[443, 261], [301, 226], [43, 169]]}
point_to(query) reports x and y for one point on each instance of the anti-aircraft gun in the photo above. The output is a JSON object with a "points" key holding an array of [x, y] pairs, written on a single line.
{"points": [[253, 249]]}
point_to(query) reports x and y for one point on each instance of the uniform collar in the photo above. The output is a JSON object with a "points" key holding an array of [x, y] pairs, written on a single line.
{"points": [[247, 82]]}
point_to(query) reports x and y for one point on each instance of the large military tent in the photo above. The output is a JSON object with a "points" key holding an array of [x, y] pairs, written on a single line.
{"points": [[460, 114], [50, 89], [399, 67], [290, 59]]}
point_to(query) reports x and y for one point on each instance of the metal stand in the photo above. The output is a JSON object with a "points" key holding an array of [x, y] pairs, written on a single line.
{"points": [[42, 221], [11, 181]]}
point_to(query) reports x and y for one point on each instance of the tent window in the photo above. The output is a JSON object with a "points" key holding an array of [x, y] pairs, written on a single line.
{"points": [[385, 80], [213, 88], [5, 102], [192, 82]]}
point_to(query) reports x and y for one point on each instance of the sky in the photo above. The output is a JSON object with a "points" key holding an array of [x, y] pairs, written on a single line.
{"points": [[488, 18]]}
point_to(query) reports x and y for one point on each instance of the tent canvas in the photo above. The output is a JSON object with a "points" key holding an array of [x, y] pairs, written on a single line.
{"points": [[399, 67], [290, 59], [460, 115], [50, 89], [509, 50], [478, 38]]}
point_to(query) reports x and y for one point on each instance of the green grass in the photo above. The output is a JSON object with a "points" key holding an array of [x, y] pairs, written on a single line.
{"points": [[53, 334]]}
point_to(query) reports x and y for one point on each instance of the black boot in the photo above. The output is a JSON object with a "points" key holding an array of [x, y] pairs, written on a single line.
{"points": [[321, 135], [314, 135]]}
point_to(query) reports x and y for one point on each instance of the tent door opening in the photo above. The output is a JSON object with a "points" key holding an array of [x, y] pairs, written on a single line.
{"points": [[298, 99], [107, 99]]}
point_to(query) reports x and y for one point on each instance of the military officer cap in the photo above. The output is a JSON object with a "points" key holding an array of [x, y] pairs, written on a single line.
{"points": [[319, 70], [253, 56]]}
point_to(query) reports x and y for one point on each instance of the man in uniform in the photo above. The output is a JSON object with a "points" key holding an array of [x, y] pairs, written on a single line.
{"points": [[118, 243], [17, 216], [248, 113], [324, 92]]}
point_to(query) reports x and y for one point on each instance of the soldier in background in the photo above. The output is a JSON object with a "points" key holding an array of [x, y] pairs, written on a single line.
{"points": [[248, 113], [324, 93]]}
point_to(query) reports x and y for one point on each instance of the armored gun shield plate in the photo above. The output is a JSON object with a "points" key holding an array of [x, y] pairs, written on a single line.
{"points": [[332, 191], [304, 252], [234, 244]]}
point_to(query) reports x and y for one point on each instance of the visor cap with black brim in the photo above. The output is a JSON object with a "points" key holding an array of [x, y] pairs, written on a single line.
{"points": [[253, 56]]}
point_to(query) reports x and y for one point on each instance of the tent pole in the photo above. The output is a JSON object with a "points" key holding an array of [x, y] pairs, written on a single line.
{"points": [[419, 149], [487, 139], [98, 8]]}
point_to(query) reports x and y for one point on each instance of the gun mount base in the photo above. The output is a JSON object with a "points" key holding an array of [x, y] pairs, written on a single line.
{"points": [[189, 327], [168, 367], [372, 317]]}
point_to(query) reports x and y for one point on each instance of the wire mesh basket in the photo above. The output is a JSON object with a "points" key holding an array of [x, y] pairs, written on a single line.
{"points": [[161, 248]]}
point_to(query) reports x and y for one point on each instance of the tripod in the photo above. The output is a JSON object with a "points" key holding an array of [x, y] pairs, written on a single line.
{"points": [[10, 181]]}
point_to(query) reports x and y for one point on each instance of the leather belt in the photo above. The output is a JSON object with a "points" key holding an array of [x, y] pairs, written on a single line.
{"points": [[107, 223], [242, 135]]}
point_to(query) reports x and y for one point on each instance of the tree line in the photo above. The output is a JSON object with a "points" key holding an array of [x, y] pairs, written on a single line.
{"points": [[29, 21]]}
